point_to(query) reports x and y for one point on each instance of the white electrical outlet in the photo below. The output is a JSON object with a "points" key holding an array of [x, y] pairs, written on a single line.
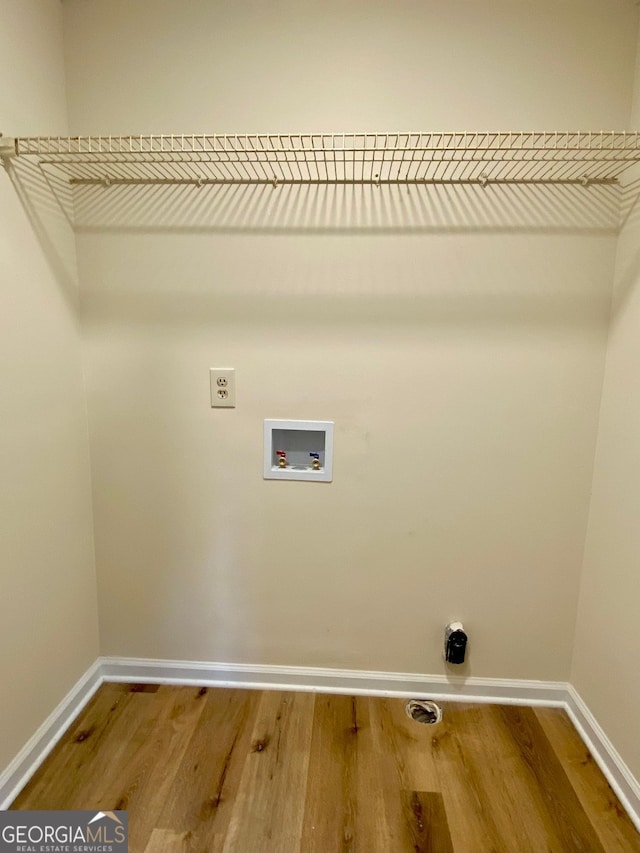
{"points": [[223, 387]]}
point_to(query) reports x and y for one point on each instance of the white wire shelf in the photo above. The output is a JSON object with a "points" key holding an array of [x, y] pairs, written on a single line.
{"points": [[335, 158]]}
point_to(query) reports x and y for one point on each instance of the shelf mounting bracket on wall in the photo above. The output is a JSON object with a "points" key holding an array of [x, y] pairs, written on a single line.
{"points": [[7, 147]]}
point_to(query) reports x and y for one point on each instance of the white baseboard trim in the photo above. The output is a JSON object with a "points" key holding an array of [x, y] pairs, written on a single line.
{"points": [[320, 680], [606, 756], [24, 765]]}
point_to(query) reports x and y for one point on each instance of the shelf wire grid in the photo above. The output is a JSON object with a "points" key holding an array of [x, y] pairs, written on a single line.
{"points": [[338, 158]]}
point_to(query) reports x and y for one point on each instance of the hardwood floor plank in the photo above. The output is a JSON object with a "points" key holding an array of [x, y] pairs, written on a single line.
{"points": [[615, 830], [373, 832], [364, 755], [524, 830], [331, 804], [71, 769], [428, 825], [128, 741], [550, 788], [269, 808], [411, 742], [347, 786], [471, 819], [207, 780], [143, 785], [401, 759], [167, 841]]}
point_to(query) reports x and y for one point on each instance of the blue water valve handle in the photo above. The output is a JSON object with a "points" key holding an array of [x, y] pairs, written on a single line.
{"points": [[315, 455]]}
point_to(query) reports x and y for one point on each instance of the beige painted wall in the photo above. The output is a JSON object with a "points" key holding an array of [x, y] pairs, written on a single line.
{"points": [[48, 615], [458, 346], [607, 646]]}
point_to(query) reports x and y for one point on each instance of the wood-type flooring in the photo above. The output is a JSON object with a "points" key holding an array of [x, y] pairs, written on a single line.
{"points": [[216, 770]]}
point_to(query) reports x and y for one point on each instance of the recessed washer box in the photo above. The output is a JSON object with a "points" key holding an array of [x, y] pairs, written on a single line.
{"points": [[301, 444]]}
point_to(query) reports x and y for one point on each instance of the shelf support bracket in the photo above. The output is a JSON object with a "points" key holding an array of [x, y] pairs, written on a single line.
{"points": [[7, 147]]}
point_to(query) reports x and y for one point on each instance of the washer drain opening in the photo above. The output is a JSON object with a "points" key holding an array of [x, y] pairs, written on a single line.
{"points": [[424, 711]]}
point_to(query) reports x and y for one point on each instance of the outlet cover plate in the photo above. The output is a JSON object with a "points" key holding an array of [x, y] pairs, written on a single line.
{"points": [[223, 387]]}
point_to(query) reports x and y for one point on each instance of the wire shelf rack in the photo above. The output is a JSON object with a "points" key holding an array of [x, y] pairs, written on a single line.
{"points": [[523, 157]]}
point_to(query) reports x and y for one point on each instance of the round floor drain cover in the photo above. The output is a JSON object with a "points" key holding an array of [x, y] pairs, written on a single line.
{"points": [[424, 711]]}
